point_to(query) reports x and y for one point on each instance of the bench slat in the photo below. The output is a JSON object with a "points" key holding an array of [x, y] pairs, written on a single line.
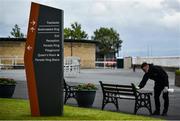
{"points": [[115, 85], [127, 97], [118, 93], [126, 93], [118, 89]]}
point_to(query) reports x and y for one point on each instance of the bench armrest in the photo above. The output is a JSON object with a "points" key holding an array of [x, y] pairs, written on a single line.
{"points": [[144, 92]]}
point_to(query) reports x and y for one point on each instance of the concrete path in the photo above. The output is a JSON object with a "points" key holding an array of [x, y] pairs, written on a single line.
{"points": [[117, 76]]}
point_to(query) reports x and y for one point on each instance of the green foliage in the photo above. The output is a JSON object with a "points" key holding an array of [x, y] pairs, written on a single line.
{"points": [[84, 87], [16, 32], [67, 33], [109, 40], [7, 81], [17, 109], [75, 32], [177, 72]]}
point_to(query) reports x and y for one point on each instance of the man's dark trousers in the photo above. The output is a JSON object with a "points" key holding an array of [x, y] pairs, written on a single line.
{"points": [[157, 92]]}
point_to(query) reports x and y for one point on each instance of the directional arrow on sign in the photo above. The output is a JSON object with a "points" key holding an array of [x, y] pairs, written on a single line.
{"points": [[33, 22], [29, 47], [32, 29]]}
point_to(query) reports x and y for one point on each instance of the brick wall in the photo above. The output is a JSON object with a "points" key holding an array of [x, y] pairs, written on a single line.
{"points": [[86, 52]]}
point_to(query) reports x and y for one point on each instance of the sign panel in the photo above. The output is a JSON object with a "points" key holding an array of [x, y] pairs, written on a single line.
{"points": [[44, 60]]}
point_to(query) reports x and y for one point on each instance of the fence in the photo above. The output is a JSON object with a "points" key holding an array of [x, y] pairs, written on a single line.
{"points": [[11, 62], [71, 64], [105, 63]]}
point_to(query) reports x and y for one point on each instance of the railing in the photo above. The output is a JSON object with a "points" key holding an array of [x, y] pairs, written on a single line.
{"points": [[11, 62], [71, 64], [105, 63]]}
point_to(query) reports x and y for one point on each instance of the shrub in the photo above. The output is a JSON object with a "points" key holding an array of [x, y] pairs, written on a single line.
{"points": [[177, 72], [7, 81], [86, 87]]}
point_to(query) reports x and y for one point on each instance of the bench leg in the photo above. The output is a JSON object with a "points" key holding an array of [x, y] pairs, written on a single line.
{"points": [[147, 104], [110, 100], [103, 104], [116, 103], [149, 101], [136, 107], [69, 95], [143, 102], [65, 98]]}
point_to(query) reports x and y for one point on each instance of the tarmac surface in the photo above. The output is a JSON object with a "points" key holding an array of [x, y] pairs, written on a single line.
{"points": [[116, 76]]}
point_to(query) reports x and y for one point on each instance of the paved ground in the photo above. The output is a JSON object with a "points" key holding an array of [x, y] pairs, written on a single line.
{"points": [[117, 76]]}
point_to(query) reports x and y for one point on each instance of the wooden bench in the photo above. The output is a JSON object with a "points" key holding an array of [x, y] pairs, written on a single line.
{"points": [[113, 92], [70, 92]]}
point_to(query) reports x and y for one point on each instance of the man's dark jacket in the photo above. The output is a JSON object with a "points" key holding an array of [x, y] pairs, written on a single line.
{"points": [[157, 74]]}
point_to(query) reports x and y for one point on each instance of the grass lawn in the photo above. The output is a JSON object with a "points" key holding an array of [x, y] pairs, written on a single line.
{"points": [[18, 109]]}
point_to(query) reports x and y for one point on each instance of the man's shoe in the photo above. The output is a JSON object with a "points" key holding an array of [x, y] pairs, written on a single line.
{"points": [[156, 112], [164, 113]]}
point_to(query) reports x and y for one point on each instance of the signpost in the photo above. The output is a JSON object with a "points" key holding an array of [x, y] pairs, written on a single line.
{"points": [[44, 60]]}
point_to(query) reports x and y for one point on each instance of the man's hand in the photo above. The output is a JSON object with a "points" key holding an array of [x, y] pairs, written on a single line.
{"points": [[137, 87], [165, 90]]}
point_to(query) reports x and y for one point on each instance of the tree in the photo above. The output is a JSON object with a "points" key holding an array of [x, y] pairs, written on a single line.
{"points": [[109, 40], [16, 32], [67, 33], [75, 32]]}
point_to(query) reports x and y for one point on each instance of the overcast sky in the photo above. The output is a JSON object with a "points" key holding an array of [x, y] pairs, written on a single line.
{"points": [[147, 27]]}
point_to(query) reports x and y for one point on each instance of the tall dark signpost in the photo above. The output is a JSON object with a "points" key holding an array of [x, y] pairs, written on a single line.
{"points": [[44, 60]]}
